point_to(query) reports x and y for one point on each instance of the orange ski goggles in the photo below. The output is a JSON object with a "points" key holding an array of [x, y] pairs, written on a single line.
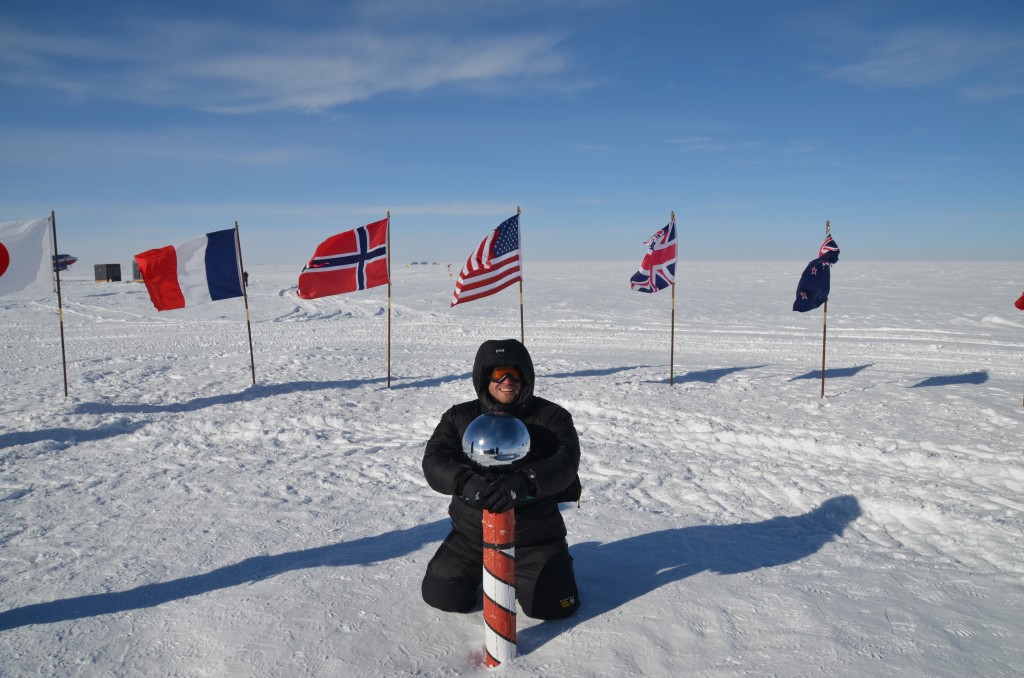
{"points": [[500, 374]]}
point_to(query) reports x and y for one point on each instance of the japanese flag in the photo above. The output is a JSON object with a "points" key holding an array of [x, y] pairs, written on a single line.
{"points": [[23, 256]]}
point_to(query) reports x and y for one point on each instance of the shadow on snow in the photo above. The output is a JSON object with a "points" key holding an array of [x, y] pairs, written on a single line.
{"points": [[591, 373], [363, 551], [69, 436], [268, 391], [834, 372], [712, 376], [252, 393], [435, 381], [979, 377], [612, 574]]}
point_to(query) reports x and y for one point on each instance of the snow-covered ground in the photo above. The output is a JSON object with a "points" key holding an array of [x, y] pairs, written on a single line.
{"points": [[168, 518]]}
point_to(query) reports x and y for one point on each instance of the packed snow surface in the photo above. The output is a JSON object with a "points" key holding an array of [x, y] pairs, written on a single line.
{"points": [[169, 518]]}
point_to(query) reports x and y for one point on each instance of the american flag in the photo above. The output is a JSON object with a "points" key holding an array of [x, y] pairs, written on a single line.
{"points": [[346, 262], [493, 266], [658, 269]]}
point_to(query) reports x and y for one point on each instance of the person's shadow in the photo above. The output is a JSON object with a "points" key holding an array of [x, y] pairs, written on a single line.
{"points": [[364, 551], [612, 574]]}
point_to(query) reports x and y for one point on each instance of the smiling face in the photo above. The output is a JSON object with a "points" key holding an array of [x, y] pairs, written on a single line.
{"points": [[507, 390]]}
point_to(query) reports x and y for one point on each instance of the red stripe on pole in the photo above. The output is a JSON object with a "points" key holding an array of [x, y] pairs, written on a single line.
{"points": [[501, 621], [501, 566], [500, 580]]}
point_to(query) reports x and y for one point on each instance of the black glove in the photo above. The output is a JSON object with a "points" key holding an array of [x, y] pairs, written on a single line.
{"points": [[504, 492], [474, 487]]}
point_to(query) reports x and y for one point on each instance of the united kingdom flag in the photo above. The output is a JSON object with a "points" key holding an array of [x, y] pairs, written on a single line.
{"points": [[829, 250], [658, 269], [346, 262]]}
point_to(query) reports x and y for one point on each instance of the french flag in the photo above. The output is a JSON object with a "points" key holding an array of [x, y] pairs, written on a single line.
{"points": [[194, 272]]}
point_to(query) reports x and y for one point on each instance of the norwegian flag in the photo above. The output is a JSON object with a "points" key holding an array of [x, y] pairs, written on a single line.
{"points": [[814, 286], [493, 265], [346, 262], [658, 269]]}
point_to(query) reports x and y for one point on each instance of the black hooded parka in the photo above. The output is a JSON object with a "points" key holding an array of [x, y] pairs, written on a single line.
{"points": [[554, 456]]}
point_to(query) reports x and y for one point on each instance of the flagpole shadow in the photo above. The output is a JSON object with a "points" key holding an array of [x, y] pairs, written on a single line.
{"points": [[364, 551], [592, 373], [613, 574], [833, 373], [436, 381], [713, 375], [66, 437], [252, 393], [979, 377]]}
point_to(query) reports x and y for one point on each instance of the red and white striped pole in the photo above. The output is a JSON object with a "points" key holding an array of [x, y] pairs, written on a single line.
{"points": [[499, 586]]}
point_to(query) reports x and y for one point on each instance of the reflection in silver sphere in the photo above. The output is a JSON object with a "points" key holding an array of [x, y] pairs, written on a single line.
{"points": [[497, 439]]}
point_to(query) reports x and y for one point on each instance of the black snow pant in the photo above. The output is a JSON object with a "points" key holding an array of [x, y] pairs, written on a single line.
{"points": [[545, 581]]}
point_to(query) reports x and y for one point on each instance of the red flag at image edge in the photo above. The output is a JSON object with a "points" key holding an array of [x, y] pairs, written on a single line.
{"points": [[1020, 303]]}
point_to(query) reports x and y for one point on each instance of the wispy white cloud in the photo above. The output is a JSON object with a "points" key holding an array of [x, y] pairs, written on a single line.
{"points": [[706, 144], [42, 148], [924, 57], [802, 147], [596, 149], [223, 68], [449, 209], [986, 93]]}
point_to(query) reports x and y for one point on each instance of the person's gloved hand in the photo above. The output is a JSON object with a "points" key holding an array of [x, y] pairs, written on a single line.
{"points": [[504, 492], [474, 488]]}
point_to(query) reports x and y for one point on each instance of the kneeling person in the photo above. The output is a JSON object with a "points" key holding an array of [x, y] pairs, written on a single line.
{"points": [[503, 378]]}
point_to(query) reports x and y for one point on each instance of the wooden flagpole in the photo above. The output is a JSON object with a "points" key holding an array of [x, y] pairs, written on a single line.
{"points": [[388, 243], [672, 343], [245, 296], [824, 328], [522, 329], [60, 302]]}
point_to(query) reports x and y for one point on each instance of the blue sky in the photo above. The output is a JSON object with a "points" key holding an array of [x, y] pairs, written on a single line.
{"points": [[145, 124]]}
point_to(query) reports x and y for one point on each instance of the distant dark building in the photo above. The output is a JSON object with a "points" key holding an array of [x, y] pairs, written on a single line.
{"points": [[108, 272]]}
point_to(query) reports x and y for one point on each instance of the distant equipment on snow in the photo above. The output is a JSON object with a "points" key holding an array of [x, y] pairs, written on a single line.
{"points": [[136, 273], [108, 272]]}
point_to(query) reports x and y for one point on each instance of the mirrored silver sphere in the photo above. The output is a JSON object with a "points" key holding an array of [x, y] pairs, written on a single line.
{"points": [[495, 439]]}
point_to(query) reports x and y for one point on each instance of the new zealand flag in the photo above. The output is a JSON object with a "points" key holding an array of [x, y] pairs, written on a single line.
{"points": [[812, 290]]}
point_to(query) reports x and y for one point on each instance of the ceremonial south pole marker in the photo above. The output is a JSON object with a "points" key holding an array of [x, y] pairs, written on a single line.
{"points": [[499, 587], [495, 441]]}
